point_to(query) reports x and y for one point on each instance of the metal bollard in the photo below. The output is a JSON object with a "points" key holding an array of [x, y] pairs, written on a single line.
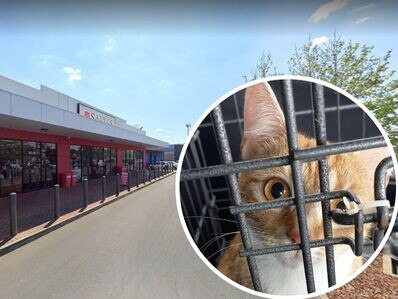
{"points": [[13, 214], [85, 193], [103, 188], [117, 184], [128, 180], [57, 203]]}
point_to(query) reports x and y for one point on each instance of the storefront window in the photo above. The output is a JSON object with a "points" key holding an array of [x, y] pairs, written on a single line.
{"points": [[97, 162], [49, 164], [31, 169], [92, 162], [26, 165], [113, 161], [154, 156], [129, 159], [107, 160], [76, 160], [132, 159], [10, 166], [139, 160], [86, 161]]}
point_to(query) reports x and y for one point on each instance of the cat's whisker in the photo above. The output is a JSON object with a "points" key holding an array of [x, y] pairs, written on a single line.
{"points": [[222, 249], [229, 246], [221, 235], [211, 241], [226, 220], [265, 136], [217, 234], [212, 218]]}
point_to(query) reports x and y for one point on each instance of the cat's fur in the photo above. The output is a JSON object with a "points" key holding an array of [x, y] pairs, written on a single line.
{"points": [[265, 136]]}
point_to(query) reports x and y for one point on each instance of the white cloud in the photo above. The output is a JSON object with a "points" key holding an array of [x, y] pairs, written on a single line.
{"points": [[361, 20], [363, 7], [110, 44], [326, 9], [159, 130], [318, 41], [74, 74]]}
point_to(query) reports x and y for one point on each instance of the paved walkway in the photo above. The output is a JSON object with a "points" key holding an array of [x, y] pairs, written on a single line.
{"points": [[37, 207], [133, 248]]}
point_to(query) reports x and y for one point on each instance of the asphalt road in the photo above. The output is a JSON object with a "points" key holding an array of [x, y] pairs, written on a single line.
{"points": [[133, 248]]}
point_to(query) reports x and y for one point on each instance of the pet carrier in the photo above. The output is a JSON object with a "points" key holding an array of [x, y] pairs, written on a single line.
{"points": [[209, 190]]}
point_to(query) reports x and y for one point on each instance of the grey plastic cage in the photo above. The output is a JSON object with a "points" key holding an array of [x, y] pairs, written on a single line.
{"points": [[210, 196]]}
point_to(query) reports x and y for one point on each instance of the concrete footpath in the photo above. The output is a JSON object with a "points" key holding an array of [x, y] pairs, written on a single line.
{"points": [[35, 209], [132, 248]]}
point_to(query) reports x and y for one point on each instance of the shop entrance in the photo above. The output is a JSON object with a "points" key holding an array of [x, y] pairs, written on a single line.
{"points": [[26, 165], [92, 161]]}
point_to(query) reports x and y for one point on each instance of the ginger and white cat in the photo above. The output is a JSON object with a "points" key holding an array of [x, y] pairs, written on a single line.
{"points": [[265, 136]]}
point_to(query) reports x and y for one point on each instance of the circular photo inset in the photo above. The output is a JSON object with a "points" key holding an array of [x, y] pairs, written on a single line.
{"points": [[285, 187]]}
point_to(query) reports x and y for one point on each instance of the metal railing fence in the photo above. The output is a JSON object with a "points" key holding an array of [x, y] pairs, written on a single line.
{"points": [[21, 212]]}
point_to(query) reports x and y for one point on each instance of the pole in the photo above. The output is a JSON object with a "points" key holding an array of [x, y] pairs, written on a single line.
{"points": [[57, 203], [13, 214]]}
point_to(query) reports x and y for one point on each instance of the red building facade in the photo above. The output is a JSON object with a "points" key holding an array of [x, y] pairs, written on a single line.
{"points": [[36, 148]]}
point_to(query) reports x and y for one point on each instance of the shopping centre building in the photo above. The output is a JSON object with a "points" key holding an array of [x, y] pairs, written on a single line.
{"points": [[45, 134]]}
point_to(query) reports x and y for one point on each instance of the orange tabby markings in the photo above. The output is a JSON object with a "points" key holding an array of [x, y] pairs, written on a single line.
{"points": [[265, 136]]}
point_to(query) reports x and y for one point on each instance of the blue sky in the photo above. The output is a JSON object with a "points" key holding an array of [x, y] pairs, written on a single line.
{"points": [[161, 66]]}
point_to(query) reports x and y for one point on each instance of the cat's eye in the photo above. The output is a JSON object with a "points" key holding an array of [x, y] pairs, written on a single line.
{"points": [[276, 188], [342, 206]]}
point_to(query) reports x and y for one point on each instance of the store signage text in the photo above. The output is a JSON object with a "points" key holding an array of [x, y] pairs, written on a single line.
{"points": [[96, 115]]}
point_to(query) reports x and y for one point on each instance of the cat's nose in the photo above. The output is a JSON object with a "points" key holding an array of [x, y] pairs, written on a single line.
{"points": [[294, 236]]}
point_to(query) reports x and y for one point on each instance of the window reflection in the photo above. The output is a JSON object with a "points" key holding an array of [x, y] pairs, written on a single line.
{"points": [[92, 162], [31, 169], [10, 167], [132, 159], [49, 164], [107, 160], [76, 161], [113, 161], [26, 165], [97, 162], [86, 161]]}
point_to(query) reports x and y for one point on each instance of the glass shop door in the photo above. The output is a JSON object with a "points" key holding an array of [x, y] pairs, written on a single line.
{"points": [[31, 171]]}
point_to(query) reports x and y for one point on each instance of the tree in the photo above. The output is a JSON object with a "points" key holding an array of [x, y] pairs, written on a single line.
{"points": [[352, 67], [263, 67]]}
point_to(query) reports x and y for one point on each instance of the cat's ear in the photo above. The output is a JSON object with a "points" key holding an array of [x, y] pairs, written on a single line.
{"points": [[372, 158], [263, 119]]}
